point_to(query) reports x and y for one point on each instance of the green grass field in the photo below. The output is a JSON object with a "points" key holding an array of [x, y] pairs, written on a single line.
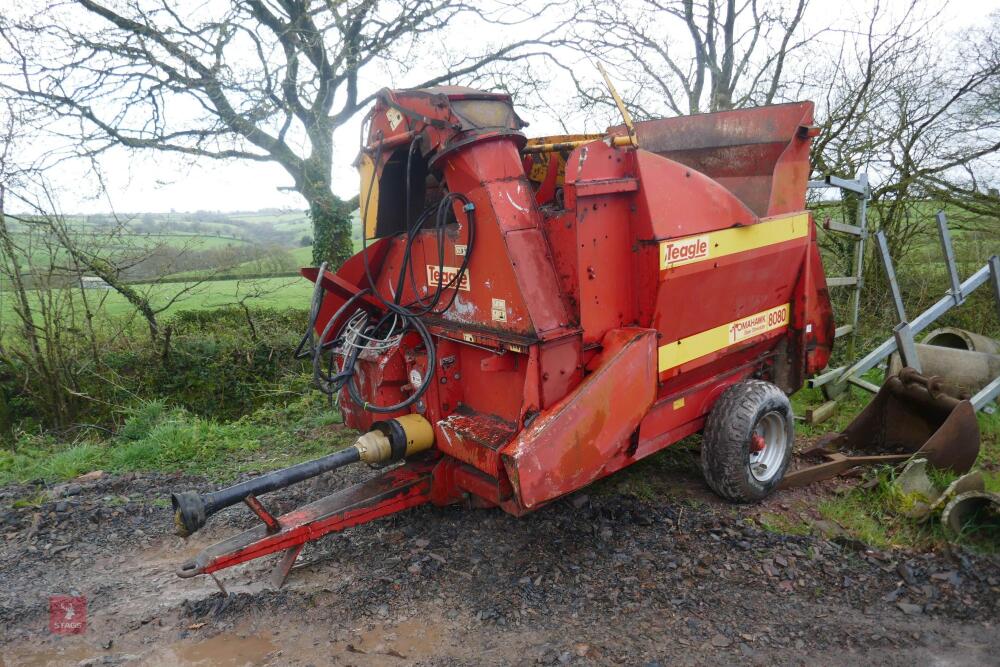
{"points": [[286, 292], [36, 254], [299, 257]]}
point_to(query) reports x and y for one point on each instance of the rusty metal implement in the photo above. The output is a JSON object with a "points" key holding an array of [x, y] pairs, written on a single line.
{"points": [[910, 416]]}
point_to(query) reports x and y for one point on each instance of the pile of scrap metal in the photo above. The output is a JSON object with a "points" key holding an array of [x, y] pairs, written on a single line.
{"points": [[927, 406], [965, 506], [910, 417]]}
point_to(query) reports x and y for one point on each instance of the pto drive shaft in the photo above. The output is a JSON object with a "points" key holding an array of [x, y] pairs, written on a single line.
{"points": [[390, 440]]}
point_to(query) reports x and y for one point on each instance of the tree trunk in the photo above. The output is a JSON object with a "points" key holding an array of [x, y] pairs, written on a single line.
{"points": [[331, 219]]}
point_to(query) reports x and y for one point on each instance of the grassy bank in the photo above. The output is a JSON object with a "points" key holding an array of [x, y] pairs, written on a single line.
{"points": [[157, 437]]}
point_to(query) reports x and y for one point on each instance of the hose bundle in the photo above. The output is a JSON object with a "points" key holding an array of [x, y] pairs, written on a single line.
{"points": [[362, 331]]}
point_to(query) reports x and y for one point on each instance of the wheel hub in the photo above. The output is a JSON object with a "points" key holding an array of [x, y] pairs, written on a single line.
{"points": [[768, 444]]}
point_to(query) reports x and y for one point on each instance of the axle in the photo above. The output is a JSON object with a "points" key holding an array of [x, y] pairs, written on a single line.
{"points": [[390, 440]]}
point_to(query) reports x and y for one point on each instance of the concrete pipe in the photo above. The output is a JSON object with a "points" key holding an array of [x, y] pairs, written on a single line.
{"points": [[960, 339], [964, 372]]}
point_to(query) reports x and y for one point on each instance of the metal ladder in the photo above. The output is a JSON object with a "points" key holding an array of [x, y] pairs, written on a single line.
{"points": [[859, 186], [904, 332]]}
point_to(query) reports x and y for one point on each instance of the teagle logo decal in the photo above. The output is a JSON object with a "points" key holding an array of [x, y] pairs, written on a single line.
{"points": [[445, 274], [684, 251]]}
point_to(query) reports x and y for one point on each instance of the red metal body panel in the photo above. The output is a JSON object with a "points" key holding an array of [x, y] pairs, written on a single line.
{"points": [[392, 491], [572, 307], [569, 445], [760, 155]]}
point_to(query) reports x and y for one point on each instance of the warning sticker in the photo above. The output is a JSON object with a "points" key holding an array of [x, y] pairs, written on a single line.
{"points": [[394, 117], [437, 274], [499, 310]]}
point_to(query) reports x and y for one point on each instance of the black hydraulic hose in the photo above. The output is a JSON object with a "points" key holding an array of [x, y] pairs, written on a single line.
{"points": [[406, 219], [404, 313], [324, 382], [409, 315], [191, 509], [456, 281], [314, 307]]}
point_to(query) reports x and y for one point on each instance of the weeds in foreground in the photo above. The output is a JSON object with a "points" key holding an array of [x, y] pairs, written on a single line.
{"points": [[155, 436], [778, 523]]}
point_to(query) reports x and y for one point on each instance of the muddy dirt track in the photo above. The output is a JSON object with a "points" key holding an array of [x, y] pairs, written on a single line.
{"points": [[603, 579]]}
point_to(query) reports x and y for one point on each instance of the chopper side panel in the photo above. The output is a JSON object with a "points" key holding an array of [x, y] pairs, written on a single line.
{"points": [[569, 445]]}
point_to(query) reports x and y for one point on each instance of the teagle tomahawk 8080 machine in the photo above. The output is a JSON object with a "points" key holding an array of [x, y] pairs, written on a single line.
{"points": [[530, 316]]}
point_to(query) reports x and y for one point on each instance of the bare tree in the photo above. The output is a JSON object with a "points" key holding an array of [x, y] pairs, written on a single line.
{"points": [[33, 352], [732, 53], [924, 124], [921, 120], [261, 80]]}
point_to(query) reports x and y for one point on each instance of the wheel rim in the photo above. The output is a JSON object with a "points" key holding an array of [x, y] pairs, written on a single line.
{"points": [[768, 445]]}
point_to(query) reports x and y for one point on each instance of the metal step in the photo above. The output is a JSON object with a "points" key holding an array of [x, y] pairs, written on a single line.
{"points": [[841, 281], [834, 226], [843, 330]]}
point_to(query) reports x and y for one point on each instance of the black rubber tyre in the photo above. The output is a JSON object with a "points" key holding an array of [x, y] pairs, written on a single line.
{"points": [[728, 463]]}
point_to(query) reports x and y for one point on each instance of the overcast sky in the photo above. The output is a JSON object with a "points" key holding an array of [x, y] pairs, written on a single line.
{"points": [[156, 182]]}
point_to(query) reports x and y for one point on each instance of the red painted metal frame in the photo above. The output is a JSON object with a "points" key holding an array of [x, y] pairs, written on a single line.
{"points": [[548, 375], [567, 280], [392, 491], [589, 422]]}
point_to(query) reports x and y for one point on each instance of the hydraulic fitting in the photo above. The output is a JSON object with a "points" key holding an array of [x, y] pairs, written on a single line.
{"points": [[395, 439]]}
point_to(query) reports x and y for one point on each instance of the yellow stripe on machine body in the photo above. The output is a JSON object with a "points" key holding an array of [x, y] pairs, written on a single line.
{"points": [[712, 245], [718, 338]]}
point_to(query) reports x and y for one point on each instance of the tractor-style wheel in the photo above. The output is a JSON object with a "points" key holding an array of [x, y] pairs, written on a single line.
{"points": [[748, 441]]}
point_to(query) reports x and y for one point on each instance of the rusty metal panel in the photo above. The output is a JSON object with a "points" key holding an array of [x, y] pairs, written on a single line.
{"points": [[761, 155], [536, 278], [600, 185], [561, 233], [569, 445], [909, 417], [605, 186], [475, 438], [561, 367]]}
